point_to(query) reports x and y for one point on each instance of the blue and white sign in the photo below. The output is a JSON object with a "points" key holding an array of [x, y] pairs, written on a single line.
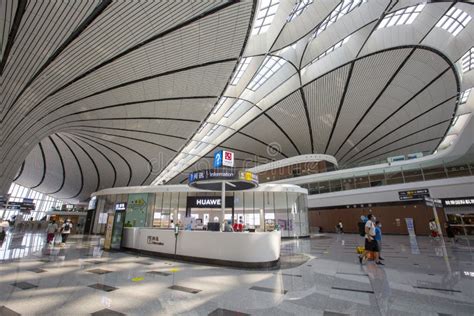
{"points": [[218, 159]]}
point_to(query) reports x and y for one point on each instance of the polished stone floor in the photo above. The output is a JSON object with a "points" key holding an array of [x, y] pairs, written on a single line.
{"points": [[317, 276]]}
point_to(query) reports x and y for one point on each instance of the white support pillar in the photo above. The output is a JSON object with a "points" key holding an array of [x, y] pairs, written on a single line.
{"points": [[222, 205]]}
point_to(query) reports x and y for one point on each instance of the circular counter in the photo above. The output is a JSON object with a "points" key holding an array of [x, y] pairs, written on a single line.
{"points": [[245, 250]]}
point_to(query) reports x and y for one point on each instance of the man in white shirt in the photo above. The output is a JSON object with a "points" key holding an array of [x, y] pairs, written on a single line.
{"points": [[370, 242], [66, 230], [50, 231]]}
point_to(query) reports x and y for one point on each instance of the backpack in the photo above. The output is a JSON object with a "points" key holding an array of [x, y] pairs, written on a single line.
{"points": [[67, 227], [361, 226]]}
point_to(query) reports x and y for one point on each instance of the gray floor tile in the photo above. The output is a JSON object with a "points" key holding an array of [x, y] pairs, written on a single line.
{"points": [[329, 313], [352, 290], [24, 285], [5, 311], [184, 289], [436, 289], [107, 312], [144, 263], [99, 271], [268, 289], [103, 287], [226, 312], [159, 273]]}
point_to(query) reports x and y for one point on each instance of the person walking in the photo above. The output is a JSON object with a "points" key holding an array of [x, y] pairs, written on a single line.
{"points": [[378, 237], [450, 232], [50, 231], [65, 231], [341, 228], [433, 229], [370, 243]]}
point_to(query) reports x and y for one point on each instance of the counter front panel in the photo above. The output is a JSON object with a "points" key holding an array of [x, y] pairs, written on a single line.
{"points": [[237, 249]]}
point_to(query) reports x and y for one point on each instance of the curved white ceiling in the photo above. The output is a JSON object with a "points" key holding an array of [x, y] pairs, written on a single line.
{"points": [[105, 93]]}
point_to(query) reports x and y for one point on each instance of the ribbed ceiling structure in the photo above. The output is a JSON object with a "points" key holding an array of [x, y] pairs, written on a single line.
{"points": [[97, 94]]}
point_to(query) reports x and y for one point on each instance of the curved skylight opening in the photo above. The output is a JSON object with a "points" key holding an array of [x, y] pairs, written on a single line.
{"points": [[454, 21], [268, 9], [233, 108], [270, 66], [401, 17], [332, 48], [299, 8], [219, 105], [342, 9], [243, 64], [465, 96], [467, 60]]}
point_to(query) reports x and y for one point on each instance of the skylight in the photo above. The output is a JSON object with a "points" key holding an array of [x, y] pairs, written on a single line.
{"points": [[240, 70], [403, 16], [342, 9], [464, 96], [300, 6], [233, 108], [454, 21], [455, 120], [219, 105], [332, 48], [270, 66], [265, 16], [468, 60], [212, 130]]}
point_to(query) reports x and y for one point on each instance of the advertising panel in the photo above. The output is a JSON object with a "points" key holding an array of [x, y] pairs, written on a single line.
{"points": [[136, 209]]}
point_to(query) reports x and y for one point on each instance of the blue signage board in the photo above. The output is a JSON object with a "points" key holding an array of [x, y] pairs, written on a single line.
{"points": [[218, 159]]}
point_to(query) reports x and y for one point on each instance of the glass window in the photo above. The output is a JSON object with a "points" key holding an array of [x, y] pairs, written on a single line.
{"points": [[413, 175], [377, 180], [331, 49], [269, 209], [281, 213], [342, 9], [298, 9], [361, 182], [467, 60], [464, 96], [434, 173], [269, 67], [259, 211], [324, 187], [394, 177], [238, 205], [458, 171], [402, 16], [294, 213], [454, 21], [336, 185], [265, 16], [348, 184], [243, 64]]}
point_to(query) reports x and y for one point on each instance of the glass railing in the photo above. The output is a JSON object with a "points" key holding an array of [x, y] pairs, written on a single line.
{"points": [[389, 176]]}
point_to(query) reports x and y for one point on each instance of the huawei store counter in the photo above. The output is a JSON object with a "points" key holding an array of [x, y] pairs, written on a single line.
{"points": [[251, 250]]}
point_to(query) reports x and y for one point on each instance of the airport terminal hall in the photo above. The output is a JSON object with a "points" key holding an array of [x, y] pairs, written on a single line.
{"points": [[236, 157]]}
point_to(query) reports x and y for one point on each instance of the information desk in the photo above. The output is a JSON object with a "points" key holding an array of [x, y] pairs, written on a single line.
{"points": [[257, 249]]}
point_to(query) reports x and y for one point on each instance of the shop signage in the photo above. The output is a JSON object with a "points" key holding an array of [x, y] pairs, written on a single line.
{"points": [[433, 202], [154, 240], [418, 194], [208, 202], [120, 206], [223, 158], [459, 202]]}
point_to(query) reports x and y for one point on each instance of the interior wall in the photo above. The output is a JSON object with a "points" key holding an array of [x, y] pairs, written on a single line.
{"points": [[327, 219]]}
